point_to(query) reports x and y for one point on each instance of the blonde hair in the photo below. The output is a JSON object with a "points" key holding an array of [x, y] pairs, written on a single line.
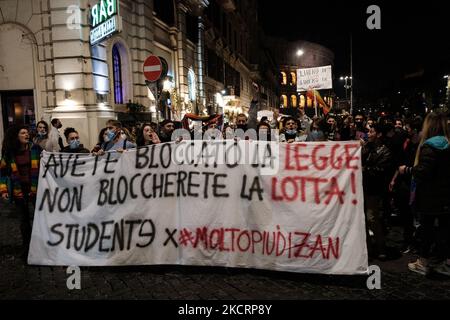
{"points": [[435, 124]]}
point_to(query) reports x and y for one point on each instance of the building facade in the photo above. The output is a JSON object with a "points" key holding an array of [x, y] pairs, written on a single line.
{"points": [[235, 59], [82, 60]]}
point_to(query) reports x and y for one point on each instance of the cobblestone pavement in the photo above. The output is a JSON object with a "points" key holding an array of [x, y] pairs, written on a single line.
{"points": [[18, 281]]}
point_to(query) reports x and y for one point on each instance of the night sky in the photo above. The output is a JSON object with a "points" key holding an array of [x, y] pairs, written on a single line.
{"points": [[413, 37]]}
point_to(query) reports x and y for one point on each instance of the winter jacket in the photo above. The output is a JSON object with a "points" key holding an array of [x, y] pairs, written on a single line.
{"points": [[377, 168], [432, 177], [80, 149]]}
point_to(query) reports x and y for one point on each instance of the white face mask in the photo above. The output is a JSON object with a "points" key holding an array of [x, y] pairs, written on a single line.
{"points": [[123, 136]]}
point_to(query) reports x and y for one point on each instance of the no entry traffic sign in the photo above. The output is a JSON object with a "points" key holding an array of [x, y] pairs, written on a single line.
{"points": [[153, 68]]}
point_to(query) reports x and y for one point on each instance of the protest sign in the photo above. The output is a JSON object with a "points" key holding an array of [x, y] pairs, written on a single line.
{"points": [[314, 78], [205, 203]]}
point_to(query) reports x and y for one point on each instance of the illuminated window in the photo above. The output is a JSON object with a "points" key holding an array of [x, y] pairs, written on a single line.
{"points": [[308, 102], [302, 101], [284, 100], [294, 101], [293, 79], [191, 85], [283, 78], [117, 74]]}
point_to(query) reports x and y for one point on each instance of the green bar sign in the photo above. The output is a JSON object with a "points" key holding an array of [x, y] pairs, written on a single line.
{"points": [[102, 11], [105, 20]]}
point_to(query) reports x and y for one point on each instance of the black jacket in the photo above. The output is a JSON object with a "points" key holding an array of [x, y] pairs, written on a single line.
{"points": [[80, 149], [377, 168], [432, 177]]}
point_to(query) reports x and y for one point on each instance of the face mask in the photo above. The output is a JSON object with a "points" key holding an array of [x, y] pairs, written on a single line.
{"points": [[42, 134], [74, 144], [110, 135], [123, 136], [291, 132], [315, 135]]}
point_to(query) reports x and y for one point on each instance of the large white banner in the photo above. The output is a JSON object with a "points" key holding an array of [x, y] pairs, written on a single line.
{"points": [[314, 78], [290, 207]]}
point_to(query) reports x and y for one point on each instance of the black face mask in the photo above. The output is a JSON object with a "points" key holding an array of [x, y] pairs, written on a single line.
{"points": [[242, 126], [359, 125]]}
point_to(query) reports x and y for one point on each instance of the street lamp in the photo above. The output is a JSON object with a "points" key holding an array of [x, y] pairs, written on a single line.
{"points": [[347, 85], [300, 52], [447, 94]]}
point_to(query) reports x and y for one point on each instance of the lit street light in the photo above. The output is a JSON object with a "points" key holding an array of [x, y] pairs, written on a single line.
{"points": [[347, 85], [300, 52], [447, 95]]}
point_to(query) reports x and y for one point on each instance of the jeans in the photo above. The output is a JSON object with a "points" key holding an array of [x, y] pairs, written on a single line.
{"points": [[22, 206], [374, 221]]}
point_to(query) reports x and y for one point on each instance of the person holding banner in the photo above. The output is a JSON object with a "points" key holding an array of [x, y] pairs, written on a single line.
{"points": [[167, 128], [20, 164], [147, 136], [114, 142], [291, 133], [264, 131], [73, 141]]}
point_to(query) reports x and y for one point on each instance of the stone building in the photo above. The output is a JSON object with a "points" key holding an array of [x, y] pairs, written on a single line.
{"points": [[82, 60], [288, 60]]}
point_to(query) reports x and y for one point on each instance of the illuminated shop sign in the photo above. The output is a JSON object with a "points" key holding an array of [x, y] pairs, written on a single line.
{"points": [[105, 20]]}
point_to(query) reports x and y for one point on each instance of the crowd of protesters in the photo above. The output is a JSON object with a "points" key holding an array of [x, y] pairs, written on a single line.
{"points": [[406, 168]]}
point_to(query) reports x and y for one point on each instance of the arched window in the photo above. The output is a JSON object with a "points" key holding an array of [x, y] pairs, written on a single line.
{"points": [[294, 101], [283, 78], [191, 85], [302, 101], [284, 100], [117, 75], [293, 79]]}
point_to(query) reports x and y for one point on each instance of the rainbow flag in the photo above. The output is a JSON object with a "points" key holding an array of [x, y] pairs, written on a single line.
{"points": [[315, 94]]}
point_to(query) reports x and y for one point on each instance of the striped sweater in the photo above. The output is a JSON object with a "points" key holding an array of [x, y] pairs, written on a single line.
{"points": [[8, 168]]}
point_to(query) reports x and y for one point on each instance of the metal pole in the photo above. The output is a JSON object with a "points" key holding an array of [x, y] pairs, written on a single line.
{"points": [[351, 74], [157, 103], [346, 89]]}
